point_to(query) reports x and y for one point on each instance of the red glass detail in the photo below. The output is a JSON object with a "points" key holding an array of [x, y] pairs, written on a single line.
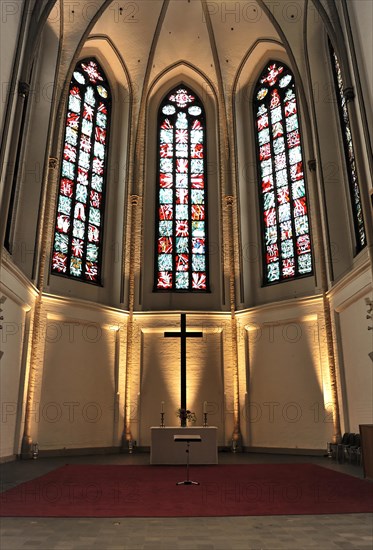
{"points": [[197, 125], [197, 182], [262, 122], [166, 125], [165, 212], [164, 279], [303, 244], [91, 270], [182, 229], [166, 150], [267, 184], [66, 187], [93, 234], [63, 223], [293, 139], [98, 166], [198, 245], [77, 247], [75, 91], [275, 99], [165, 181], [296, 171], [181, 136], [272, 253], [182, 166], [277, 130], [199, 281], [300, 207], [59, 262], [88, 112], [73, 120], [181, 196], [196, 151], [165, 245], [182, 262], [288, 268], [69, 152], [272, 76], [80, 211], [198, 212], [270, 217], [95, 199], [92, 71], [85, 144], [100, 135], [290, 108], [265, 151], [82, 176], [283, 195], [181, 98]]}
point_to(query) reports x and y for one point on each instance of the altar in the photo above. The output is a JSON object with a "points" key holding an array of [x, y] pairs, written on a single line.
{"points": [[164, 450]]}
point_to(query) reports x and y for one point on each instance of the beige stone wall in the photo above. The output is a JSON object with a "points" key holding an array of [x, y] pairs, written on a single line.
{"points": [[354, 343], [17, 310], [160, 372], [288, 400]]}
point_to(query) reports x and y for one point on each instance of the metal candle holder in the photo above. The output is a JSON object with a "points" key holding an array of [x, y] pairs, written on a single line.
{"points": [[162, 419], [205, 420]]}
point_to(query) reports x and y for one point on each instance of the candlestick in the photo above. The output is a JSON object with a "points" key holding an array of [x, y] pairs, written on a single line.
{"points": [[162, 419], [162, 406], [205, 420], [204, 407]]}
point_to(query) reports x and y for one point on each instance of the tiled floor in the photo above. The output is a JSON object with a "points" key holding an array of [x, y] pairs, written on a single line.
{"points": [[324, 532]]}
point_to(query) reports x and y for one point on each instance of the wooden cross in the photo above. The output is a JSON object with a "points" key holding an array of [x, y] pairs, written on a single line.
{"points": [[183, 335]]}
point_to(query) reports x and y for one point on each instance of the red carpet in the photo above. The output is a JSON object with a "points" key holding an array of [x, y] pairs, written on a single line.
{"points": [[151, 491]]}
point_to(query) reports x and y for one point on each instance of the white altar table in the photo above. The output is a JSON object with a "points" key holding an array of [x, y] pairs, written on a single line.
{"points": [[164, 450]]}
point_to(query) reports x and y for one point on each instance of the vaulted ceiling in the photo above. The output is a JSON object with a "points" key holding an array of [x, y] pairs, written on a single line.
{"points": [[151, 36]]}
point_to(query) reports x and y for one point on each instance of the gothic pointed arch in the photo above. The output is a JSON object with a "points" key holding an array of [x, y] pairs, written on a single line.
{"points": [[78, 239], [283, 200], [181, 210]]}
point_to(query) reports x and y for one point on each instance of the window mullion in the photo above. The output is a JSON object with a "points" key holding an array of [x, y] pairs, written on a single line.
{"points": [[189, 208], [295, 255], [271, 141], [174, 202]]}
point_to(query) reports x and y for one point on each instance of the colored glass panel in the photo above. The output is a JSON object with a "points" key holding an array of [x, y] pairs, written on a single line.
{"points": [[181, 227], [357, 211], [286, 238], [78, 238]]}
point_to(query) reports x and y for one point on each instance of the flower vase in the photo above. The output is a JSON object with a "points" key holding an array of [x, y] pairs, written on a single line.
{"points": [[183, 422]]}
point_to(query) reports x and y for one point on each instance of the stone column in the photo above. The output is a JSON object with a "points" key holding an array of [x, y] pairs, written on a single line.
{"points": [[134, 229], [38, 323], [326, 310], [230, 205]]}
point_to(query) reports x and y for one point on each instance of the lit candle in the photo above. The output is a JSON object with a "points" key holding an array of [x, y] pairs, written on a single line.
{"points": [[162, 406], [204, 407]]}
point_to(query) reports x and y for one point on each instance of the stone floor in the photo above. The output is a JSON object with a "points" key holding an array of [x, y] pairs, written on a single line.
{"points": [[324, 532]]}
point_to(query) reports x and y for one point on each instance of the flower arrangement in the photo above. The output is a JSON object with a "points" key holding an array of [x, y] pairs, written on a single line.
{"points": [[186, 415]]}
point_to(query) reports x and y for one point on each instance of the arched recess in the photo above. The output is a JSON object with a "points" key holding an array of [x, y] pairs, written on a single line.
{"points": [[247, 76], [181, 74], [29, 145], [109, 292], [329, 146]]}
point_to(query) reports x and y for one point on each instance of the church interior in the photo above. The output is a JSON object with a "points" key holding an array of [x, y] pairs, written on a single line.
{"points": [[186, 161]]}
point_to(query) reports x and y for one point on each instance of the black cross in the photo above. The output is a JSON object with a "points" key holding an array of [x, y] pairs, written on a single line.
{"points": [[183, 335]]}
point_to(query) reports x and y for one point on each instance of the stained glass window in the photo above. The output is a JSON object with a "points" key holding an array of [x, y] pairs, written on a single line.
{"points": [[79, 220], [357, 211], [284, 210], [181, 218]]}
